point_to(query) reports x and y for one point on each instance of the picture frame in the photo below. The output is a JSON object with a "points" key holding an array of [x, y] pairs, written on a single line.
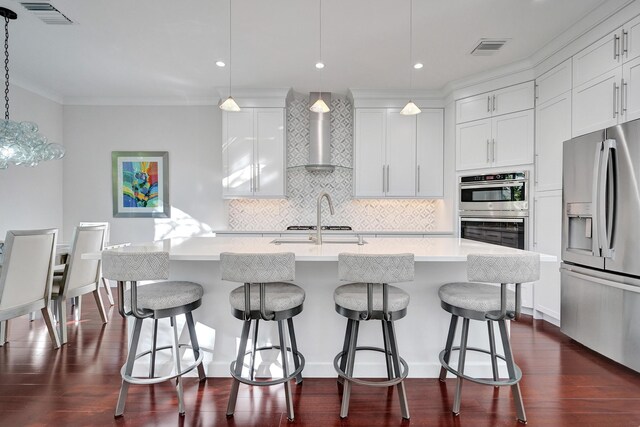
{"points": [[140, 184]]}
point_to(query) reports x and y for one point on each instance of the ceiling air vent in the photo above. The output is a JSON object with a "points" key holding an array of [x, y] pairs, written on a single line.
{"points": [[488, 47], [47, 13]]}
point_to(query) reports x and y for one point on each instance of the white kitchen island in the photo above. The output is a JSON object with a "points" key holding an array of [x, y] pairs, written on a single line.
{"points": [[319, 329]]}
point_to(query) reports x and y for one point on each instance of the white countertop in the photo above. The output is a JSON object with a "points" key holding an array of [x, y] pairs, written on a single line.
{"points": [[339, 232], [431, 249]]}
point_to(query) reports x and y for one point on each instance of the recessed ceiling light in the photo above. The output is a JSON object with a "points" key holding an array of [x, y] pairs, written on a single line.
{"points": [[220, 63], [319, 65], [418, 65]]}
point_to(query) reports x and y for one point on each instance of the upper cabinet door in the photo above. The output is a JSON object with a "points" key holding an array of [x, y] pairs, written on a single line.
{"points": [[513, 98], [473, 108], [597, 58], [596, 103], [631, 40], [400, 154], [430, 153], [553, 127], [554, 82], [237, 153], [630, 97], [269, 169], [473, 145], [369, 156], [513, 139]]}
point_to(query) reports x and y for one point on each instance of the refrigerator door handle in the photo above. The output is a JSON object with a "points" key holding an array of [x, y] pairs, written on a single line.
{"points": [[606, 211], [595, 201]]}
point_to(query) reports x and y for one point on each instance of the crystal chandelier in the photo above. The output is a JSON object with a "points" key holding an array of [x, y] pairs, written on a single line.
{"points": [[20, 142]]}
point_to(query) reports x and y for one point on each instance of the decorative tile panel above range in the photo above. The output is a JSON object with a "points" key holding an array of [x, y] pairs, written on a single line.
{"points": [[303, 186]]}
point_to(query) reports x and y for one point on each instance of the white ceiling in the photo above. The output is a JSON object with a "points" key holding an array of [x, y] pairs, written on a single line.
{"points": [[168, 49]]}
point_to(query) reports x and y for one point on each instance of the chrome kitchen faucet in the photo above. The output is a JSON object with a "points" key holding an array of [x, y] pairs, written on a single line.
{"points": [[318, 239]]}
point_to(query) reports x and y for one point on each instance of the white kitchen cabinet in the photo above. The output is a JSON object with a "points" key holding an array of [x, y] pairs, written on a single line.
{"points": [[390, 148], [430, 153], [503, 101], [253, 153], [553, 83], [596, 59], [547, 234], [553, 127], [505, 140], [630, 95], [596, 103]]}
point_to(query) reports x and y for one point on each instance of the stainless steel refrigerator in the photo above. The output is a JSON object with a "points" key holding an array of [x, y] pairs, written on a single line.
{"points": [[601, 242]]}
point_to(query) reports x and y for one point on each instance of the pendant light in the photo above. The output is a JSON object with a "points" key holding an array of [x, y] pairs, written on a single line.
{"points": [[410, 109], [230, 104], [320, 106], [20, 142]]}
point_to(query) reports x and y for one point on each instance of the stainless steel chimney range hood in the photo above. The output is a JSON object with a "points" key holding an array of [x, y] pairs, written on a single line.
{"points": [[319, 136]]}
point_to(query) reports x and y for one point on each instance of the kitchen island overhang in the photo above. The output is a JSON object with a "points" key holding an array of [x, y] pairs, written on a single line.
{"points": [[421, 334]]}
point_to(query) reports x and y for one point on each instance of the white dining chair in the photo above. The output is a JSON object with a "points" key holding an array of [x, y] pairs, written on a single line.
{"points": [[82, 276], [105, 282], [26, 278]]}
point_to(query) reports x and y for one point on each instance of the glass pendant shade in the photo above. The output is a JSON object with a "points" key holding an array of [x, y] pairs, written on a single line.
{"points": [[319, 106], [229, 105], [21, 144], [410, 109]]}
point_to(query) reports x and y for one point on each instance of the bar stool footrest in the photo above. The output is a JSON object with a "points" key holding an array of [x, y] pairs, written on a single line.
{"points": [[498, 383], [282, 380], [155, 380], [387, 383]]}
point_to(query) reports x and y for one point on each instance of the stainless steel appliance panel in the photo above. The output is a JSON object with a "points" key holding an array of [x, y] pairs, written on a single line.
{"points": [[503, 231], [622, 200], [602, 311], [580, 172]]}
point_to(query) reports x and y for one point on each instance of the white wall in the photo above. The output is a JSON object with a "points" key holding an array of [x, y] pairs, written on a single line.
{"points": [[32, 197], [191, 135]]}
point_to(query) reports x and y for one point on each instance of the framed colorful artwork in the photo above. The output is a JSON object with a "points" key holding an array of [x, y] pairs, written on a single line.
{"points": [[140, 184]]}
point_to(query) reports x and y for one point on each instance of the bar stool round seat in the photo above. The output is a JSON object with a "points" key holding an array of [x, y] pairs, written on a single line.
{"points": [[153, 301], [264, 296], [372, 298], [488, 303]]}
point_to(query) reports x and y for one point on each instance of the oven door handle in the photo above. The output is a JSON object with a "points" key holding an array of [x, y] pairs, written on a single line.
{"points": [[476, 219], [485, 186]]}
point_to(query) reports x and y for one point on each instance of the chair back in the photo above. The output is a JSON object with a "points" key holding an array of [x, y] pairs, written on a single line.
{"points": [[81, 272], [27, 270], [503, 268], [107, 235], [125, 265], [258, 268], [376, 268]]}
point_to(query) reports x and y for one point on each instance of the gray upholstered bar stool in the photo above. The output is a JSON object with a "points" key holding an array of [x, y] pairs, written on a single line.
{"points": [[153, 301], [487, 303], [264, 296], [372, 298]]}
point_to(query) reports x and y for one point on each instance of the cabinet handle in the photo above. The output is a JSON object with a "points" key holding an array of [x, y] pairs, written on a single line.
{"points": [[625, 43], [615, 100], [493, 103], [535, 223], [384, 178], [624, 97], [257, 176], [488, 104], [535, 168], [251, 185], [616, 46], [418, 178], [387, 178], [535, 91], [487, 151], [493, 155]]}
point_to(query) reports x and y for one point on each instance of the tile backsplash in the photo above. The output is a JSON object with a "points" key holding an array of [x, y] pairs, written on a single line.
{"points": [[303, 187]]}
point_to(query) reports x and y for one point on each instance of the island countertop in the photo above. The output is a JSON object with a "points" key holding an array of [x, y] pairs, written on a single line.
{"points": [[425, 249]]}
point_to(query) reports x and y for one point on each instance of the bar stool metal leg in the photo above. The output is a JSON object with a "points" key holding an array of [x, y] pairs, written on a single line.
{"points": [[285, 370], [294, 348], [131, 357], [449, 345], [463, 354], [176, 355], [254, 342], [508, 355], [345, 348], [387, 355], [492, 350], [154, 345], [402, 394], [242, 348], [351, 355], [195, 346]]}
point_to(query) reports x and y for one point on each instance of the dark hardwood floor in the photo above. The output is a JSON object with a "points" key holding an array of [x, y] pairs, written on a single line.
{"points": [[564, 384]]}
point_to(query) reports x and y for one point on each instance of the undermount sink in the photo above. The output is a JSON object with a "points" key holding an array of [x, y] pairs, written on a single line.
{"points": [[334, 240]]}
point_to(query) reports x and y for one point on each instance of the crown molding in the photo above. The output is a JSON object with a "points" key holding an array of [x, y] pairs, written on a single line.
{"points": [[142, 101], [37, 89], [376, 98]]}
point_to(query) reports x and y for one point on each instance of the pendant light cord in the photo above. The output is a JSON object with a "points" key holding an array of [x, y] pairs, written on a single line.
{"points": [[320, 45], [410, 45], [229, 47], [6, 67]]}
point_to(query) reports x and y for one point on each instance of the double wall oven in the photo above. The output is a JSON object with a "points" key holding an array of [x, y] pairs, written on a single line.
{"points": [[495, 208]]}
